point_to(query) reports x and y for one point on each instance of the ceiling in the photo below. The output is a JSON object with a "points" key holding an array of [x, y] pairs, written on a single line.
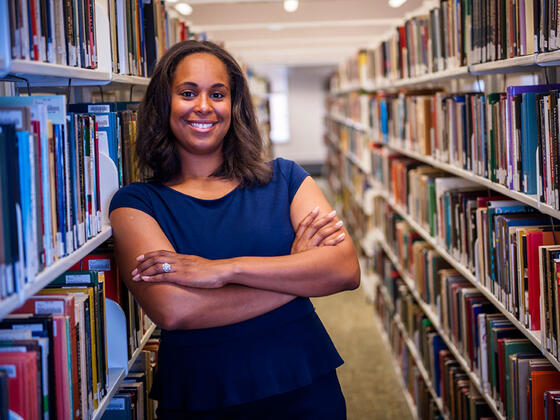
{"points": [[320, 32]]}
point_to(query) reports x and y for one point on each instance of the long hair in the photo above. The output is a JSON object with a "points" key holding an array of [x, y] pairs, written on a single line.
{"points": [[156, 146]]}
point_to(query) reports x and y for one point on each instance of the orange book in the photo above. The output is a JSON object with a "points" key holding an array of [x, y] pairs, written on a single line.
{"points": [[542, 381]]}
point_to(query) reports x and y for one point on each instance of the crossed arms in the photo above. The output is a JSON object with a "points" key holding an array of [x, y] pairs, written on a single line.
{"points": [[202, 293]]}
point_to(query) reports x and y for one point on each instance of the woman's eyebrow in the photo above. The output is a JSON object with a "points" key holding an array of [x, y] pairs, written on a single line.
{"points": [[193, 84]]}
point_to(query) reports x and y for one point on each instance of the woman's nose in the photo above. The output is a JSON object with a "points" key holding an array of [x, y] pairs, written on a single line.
{"points": [[202, 104]]}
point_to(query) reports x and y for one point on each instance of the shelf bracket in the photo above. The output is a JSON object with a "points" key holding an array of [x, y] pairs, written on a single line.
{"points": [[11, 77]]}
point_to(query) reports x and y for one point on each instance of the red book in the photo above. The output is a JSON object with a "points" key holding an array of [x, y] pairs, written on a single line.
{"points": [[22, 384], [534, 240], [62, 305], [104, 263]]}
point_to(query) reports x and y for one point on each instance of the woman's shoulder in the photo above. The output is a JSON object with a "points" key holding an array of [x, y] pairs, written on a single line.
{"points": [[288, 168], [137, 195]]}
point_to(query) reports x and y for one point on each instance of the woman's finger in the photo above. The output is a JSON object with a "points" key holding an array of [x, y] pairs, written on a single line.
{"points": [[319, 224], [334, 241], [157, 268], [307, 221], [326, 233], [151, 254], [158, 278], [157, 260]]}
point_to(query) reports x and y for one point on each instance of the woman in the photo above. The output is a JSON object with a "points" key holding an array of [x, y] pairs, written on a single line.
{"points": [[208, 249]]}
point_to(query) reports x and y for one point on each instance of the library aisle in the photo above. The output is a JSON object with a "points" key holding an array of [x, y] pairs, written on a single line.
{"points": [[368, 379]]}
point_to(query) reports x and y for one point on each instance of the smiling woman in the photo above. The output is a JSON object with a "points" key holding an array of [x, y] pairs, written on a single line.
{"points": [[200, 114], [223, 251]]}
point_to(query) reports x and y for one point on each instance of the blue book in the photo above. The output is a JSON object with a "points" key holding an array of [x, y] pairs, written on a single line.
{"points": [[529, 142], [437, 345], [61, 198], [43, 108], [384, 120], [495, 208], [512, 92]]}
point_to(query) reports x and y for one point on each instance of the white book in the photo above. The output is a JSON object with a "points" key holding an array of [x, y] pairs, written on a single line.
{"points": [[122, 38]]}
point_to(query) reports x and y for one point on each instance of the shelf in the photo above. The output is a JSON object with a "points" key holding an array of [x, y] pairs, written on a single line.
{"points": [[435, 321], [347, 88], [419, 364], [511, 65], [398, 371], [52, 272], [528, 199], [49, 74], [349, 122], [549, 58], [534, 336], [129, 80], [433, 77], [116, 376], [143, 342], [354, 159]]}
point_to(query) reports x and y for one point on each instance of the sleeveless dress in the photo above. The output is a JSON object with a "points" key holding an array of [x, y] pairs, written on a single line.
{"points": [[276, 353]]}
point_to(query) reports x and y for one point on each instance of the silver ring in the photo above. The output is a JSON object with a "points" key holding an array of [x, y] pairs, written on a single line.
{"points": [[166, 267]]}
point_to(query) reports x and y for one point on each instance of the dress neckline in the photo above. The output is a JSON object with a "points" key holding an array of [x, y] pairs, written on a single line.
{"points": [[204, 200]]}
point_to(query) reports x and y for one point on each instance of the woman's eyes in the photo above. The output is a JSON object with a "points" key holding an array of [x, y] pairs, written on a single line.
{"points": [[191, 94]]}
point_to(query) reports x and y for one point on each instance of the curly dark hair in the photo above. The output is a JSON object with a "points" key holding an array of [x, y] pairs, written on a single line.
{"points": [[156, 144]]}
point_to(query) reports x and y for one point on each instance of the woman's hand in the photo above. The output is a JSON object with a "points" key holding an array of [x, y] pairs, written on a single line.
{"points": [[185, 270], [313, 232]]}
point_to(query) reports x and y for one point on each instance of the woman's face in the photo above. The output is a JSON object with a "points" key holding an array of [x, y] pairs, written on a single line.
{"points": [[200, 104]]}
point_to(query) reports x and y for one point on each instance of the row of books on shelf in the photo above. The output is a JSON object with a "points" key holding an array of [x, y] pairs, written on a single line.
{"points": [[510, 369], [132, 401], [446, 380], [65, 32], [141, 32], [50, 199], [54, 347], [59, 32], [510, 248], [510, 138], [455, 34]]}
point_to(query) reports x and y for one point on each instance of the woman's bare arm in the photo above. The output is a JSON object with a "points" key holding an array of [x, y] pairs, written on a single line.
{"points": [[172, 306], [318, 271]]}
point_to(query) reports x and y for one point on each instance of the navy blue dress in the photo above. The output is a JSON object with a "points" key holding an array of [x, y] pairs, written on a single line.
{"points": [[268, 360]]}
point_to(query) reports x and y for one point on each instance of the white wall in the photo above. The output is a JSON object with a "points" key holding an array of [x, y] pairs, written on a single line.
{"points": [[306, 103]]}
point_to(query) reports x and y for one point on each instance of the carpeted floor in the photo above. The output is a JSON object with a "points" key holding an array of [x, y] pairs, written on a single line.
{"points": [[367, 377]]}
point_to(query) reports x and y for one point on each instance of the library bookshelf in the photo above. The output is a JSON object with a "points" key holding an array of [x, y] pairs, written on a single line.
{"points": [[44, 77], [84, 85], [354, 132]]}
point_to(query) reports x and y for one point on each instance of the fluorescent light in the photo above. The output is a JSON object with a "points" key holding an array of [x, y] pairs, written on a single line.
{"points": [[184, 9], [396, 3], [275, 27], [171, 1], [291, 5]]}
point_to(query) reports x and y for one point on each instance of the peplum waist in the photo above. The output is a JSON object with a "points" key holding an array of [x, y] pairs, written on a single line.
{"points": [[277, 352], [289, 312]]}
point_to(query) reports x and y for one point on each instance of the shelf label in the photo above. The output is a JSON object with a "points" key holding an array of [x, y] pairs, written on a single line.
{"points": [[99, 265], [76, 278], [10, 370], [116, 404], [49, 307], [98, 108]]}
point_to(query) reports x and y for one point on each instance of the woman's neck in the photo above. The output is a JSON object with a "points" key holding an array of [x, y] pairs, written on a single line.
{"points": [[200, 167]]}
